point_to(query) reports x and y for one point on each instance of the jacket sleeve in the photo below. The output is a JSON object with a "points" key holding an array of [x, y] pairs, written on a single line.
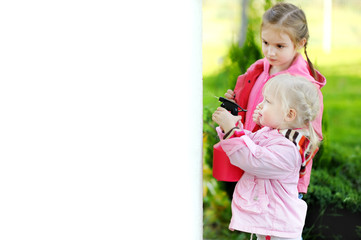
{"points": [[277, 160], [304, 181], [238, 131], [245, 84]]}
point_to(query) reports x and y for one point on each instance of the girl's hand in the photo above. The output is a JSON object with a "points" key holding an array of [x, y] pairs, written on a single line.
{"points": [[225, 119], [255, 115], [230, 95]]}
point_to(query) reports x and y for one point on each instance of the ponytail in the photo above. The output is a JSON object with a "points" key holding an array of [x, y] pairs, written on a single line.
{"points": [[313, 137], [313, 71]]}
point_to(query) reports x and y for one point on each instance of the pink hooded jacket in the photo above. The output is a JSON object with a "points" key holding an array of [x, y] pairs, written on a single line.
{"points": [[265, 199], [259, 71]]}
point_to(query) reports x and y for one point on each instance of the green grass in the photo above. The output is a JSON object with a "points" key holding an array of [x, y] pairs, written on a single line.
{"points": [[342, 96]]}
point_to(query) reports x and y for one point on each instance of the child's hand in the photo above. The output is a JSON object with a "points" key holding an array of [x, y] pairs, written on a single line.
{"points": [[230, 95], [255, 115], [225, 119]]}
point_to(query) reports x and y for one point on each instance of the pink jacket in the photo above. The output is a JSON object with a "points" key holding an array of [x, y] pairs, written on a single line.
{"points": [[259, 72], [265, 200]]}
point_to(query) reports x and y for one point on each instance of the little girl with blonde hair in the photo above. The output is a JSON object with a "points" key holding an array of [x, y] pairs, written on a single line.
{"points": [[265, 200]]}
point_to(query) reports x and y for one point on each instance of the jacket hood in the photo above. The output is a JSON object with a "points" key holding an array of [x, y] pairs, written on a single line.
{"points": [[300, 67]]}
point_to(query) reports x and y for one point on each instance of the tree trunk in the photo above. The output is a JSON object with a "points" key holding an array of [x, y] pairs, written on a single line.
{"points": [[244, 23]]}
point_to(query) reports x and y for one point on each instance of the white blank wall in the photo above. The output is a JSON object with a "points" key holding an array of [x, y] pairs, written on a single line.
{"points": [[101, 120]]}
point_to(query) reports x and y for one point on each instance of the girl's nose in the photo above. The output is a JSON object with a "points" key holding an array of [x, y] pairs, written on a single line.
{"points": [[270, 51]]}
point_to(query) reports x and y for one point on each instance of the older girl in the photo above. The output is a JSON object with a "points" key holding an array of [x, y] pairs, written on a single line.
{"points": [[284, 33]]}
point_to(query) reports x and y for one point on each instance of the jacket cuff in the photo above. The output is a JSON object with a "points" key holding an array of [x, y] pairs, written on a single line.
{"points": [[234, 132]]}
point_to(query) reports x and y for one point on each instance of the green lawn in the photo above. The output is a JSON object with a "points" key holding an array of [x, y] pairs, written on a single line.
{"points": [[342, 96]]}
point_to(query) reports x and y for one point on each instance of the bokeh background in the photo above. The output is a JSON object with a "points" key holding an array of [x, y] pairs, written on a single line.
{"points": [[334, 196]]}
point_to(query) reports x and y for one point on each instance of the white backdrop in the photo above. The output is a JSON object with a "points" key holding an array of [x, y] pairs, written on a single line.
{"points": [[101, 119]]}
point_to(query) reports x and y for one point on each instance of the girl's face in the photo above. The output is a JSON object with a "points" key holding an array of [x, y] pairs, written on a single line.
{"points": [[278, 48], [271, 113]]}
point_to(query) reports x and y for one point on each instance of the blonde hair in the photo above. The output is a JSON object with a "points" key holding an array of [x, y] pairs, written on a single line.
{"points": [[292, 20], [298, 93]]}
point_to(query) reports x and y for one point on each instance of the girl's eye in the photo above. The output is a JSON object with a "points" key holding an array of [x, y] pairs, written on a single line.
{"points": [[264, 42], [280, 46]]}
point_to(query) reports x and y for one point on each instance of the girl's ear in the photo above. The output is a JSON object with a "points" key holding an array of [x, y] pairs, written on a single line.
{"points": [[291, 115], [302, 43]]}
